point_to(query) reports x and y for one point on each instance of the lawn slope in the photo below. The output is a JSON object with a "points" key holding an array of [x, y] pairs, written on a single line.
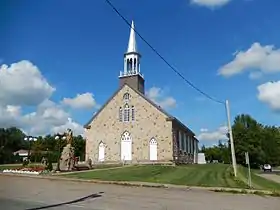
{"points": [[257, 181], [211, 175]]}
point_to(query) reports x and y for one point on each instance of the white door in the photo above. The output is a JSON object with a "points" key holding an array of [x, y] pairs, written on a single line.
{"points": [[153, 149], [101, 152], [126, 146]]}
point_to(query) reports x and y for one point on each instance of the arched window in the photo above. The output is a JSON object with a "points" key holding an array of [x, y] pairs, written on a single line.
{"points": [[120, 114], [126, 113], [126, 96], [130, 65], [127, 65], [132, 113], [134, 65]]}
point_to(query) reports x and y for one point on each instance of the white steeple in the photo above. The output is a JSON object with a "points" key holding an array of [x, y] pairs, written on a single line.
{"points": [[131, 57], [132, 47]]}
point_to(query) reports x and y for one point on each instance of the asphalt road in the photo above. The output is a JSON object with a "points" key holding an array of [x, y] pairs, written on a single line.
{"points": [[22, 193], [271, 176]]}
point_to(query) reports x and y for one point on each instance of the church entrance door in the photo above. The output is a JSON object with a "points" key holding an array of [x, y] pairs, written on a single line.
{"points": [[101, 152], [126, 146], [153, 149]]}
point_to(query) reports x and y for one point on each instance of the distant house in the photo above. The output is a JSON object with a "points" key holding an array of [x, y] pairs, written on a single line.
{"points": [[132, 128], [21, 153], [24, 152]]}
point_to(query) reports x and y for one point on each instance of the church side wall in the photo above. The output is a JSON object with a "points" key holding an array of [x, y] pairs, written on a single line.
{"points": [[149, 123]]}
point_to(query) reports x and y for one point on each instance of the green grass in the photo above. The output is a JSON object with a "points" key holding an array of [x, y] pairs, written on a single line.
{"points": [[101, 166], [257, 181], [211, 175]]}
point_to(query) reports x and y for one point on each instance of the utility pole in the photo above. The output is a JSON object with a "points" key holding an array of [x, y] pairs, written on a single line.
{"points": [[233, 159]]}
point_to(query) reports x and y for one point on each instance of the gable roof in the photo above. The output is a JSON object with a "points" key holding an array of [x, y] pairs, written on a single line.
{"points": [[170, 117]]}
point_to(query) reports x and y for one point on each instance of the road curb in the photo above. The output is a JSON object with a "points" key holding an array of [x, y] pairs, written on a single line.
{"points": [[147, 184]]}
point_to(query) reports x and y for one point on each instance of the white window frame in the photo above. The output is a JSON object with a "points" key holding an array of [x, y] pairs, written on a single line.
{"points": [[126, 113]]}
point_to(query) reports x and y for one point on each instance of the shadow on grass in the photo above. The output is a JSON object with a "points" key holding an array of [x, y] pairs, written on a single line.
{"points": [[95, 195]]}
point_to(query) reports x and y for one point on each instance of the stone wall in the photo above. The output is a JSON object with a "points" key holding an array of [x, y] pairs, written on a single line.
{"points": [[183, 155], [149, 123]]}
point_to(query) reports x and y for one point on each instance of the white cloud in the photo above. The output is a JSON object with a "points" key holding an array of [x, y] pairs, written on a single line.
{"points": [[157, 95], [265, 59], [81, 101], [210, 3], [269, 93], [22, 85], [76, 127], [203, 130], [9, 115], [219, 134], [255, 75]]}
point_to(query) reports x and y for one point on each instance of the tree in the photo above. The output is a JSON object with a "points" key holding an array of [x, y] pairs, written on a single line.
{"points": [[12, 139], [247, 134], [271, 145], [261, 141]]}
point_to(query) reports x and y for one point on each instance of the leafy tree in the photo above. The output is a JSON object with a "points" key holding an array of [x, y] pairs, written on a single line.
{"points": [[12, 139], [261, 141], [247, 134]]}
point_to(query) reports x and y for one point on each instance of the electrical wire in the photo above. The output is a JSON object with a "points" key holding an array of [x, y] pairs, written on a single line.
{"points": [[162, 58]]}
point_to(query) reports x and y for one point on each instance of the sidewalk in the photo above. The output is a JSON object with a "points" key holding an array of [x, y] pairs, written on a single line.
{"points": [[84, 171]]}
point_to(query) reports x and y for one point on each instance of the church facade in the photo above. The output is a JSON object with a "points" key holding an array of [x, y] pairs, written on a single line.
{"points": [[131, 128]]}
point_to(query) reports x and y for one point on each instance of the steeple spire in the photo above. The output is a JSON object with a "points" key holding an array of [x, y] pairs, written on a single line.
{"points": [[131, 57], [132, 46], [131, 70]]}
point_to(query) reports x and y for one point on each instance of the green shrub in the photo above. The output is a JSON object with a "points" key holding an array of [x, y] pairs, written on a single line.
{"points": [[49, 166], [25, 163]]}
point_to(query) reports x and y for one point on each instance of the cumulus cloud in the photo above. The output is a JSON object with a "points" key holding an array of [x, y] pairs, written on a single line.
{"points": [[158, 96], [269, 93], [81, 101], [23, 86], [9, 115], [210, 3], [76, 127], [203, 130], [263, 59], [219, 134]]}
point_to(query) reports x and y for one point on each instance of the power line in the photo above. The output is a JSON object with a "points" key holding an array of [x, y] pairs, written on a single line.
{"points": [[164, 60]]}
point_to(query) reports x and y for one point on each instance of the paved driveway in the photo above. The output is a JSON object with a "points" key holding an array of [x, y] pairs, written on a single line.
{"points": [[270, 176], [18, 193]]}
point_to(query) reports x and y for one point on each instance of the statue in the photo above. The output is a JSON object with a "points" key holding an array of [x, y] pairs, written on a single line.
{"points": [[69, 136], [67, 160]]}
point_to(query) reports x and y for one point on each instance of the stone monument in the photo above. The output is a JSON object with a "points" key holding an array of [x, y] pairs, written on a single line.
{"points": [[67, 158]]}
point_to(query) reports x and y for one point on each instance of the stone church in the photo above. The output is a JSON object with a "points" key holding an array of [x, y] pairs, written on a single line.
{"points": [[131, 128]]}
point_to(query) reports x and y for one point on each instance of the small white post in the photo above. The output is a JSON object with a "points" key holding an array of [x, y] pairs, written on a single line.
{"points": [[233, 158]]}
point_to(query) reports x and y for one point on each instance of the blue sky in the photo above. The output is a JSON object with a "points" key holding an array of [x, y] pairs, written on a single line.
{"points": [[78, 47]]}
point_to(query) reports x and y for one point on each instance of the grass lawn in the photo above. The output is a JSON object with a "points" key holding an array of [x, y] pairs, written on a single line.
{"points": [[101, 166], [257, 181], [212, 175]]}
